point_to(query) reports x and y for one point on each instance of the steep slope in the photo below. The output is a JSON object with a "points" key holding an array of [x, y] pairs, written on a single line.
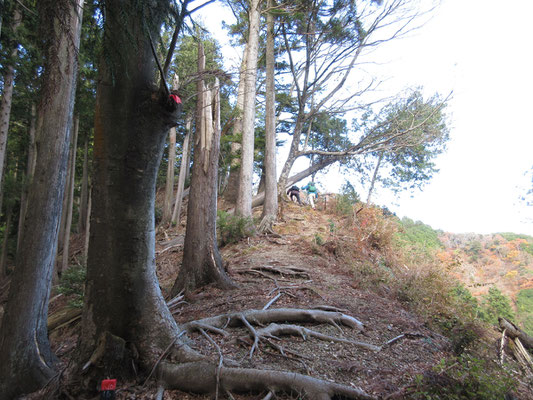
{"points": [[415, 342]]}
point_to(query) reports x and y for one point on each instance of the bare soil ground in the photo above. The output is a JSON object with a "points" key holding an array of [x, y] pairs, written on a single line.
{"points": [[293, 271]]}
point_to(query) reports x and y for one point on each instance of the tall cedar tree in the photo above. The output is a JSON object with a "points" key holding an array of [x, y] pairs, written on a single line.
{"points": [[27, 360], [123, 301], [202, 262]]}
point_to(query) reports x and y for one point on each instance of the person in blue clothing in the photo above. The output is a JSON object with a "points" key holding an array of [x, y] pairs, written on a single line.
{"points": [[312, 193]]}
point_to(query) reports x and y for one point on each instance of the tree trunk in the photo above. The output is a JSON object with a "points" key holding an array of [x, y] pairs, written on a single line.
{"points": [[27, 360], [7, 95], [87, 229], [374, 178], [270, 206], [66, 197], [184, 167], [202, 262], [70, 202], [3, 256], [30, 168], [169, 187], [243, 206], [123, 300], [84, 195], [232, 188]]}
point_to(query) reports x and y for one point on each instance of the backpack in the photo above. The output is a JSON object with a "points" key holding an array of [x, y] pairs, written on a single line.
{"points": [[311, 187], [295, 188]]}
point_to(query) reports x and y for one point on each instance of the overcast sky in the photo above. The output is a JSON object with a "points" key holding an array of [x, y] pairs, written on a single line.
{"points": [[480, 50]]}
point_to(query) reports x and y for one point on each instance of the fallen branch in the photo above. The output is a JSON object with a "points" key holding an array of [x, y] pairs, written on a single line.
{"points": [[514, 332]]}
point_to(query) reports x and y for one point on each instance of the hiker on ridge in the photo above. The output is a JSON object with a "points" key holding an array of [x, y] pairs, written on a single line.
{"points": [[294, 193], [312, 193]]}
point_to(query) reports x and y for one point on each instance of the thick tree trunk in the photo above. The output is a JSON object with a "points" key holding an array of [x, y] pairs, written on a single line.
{"points": [[27, 360], [7, 95], [84, 195], [70, 201], [184, 167], [123, 301], [243, 206], [270, 207], [202, 262]]}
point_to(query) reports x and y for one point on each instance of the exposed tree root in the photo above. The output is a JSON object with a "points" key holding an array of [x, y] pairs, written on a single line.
{"points": [[282, 271], [274, 330], [201, 377], [263, 317], [266, 226]]}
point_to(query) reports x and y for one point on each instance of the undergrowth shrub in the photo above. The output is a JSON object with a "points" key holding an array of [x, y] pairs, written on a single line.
{"points": [[495, 304], [232, 228], [464, 377], [72, 284], [524, 305]]}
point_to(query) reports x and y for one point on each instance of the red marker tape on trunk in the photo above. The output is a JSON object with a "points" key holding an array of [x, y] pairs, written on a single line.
{"points": [[109, 384]]}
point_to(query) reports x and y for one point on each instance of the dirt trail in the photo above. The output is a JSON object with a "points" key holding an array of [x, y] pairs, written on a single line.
{"points": [[293, 270]]}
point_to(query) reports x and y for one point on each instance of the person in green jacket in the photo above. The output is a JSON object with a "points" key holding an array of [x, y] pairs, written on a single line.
{"points": [[312, 193]]}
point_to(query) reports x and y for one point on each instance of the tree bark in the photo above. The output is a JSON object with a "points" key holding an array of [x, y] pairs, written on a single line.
{"points": [[169, 187], [184, 167], [374, 178], [84, 195], [270, 207], [30, 168], [7, 94], [202, 262], [27, 360], [123, 300], [3, 256], [232, 188], [87, 229], [243, 206], [70, 201]]}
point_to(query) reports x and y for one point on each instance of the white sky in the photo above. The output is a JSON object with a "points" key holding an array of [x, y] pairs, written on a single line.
{"points": [[480, 50]]}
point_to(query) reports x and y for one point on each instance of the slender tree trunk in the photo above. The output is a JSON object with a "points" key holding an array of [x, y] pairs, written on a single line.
{"points": [[232, 188], [7, 95], [66, 196], [3, 256], [84, 195], [169, 187], [202, 262], [27, 360], [374, 178], [87, 229], [1, 13], [243, 206], [185, 154], [70, 202], [270, 207], [30, 168]]}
